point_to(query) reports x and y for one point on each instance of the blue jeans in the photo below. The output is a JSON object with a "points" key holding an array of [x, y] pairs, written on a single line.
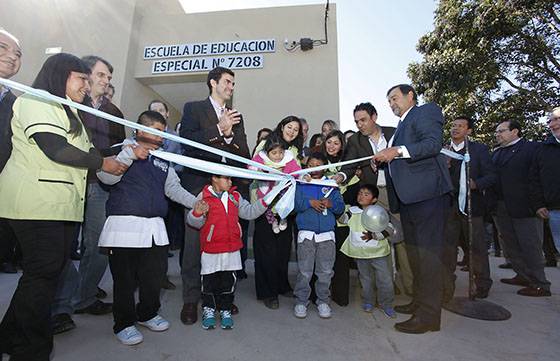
{"points": [[93, 263], [554, 222], [378, 270], [67, 286]]}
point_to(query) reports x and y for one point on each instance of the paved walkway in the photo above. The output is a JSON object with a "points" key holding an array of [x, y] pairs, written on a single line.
{"points": [[260, 334]]}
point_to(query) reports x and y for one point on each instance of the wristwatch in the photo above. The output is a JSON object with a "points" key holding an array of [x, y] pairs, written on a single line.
{"points": [[400, 151]]}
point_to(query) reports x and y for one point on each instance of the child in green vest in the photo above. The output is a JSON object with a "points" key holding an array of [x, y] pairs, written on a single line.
{"points": [[372, 252]]}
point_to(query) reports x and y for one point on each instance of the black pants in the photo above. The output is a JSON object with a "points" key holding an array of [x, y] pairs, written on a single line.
{"points": [[218, 290], [8, 243], [272, 255], [456, 228], [131, 267], [25, 331], [340, 283], [423, 225]]}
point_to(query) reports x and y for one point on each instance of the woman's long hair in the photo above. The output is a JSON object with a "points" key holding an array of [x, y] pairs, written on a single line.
{"points": [[338, 134], [53, 77], [298, 142]]}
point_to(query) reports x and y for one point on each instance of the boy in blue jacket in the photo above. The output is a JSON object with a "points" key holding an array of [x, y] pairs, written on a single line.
{"points": [[317, 207]]}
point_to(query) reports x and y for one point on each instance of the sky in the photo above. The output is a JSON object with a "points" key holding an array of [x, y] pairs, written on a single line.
{"points": [[376, 42]]}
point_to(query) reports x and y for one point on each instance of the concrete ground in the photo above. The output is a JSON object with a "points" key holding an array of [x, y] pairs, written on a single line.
{"points": [[533, 332]]}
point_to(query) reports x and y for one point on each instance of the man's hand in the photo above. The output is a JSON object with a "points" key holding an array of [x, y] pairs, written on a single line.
{"points": [[228, 120], [386, 155], [140, 152], [112, 166], [472, 184], [307, 178], [317, 205], [201, 207], [326, 202], [542, 213]]}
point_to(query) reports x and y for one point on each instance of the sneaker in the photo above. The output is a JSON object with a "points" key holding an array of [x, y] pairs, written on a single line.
{"points": [[324, 310], [226, 322], [389, 312], [208, 318], [283, 224], [275, 227], [367, 307], [157, 324], [130, 336], [300, 311]]}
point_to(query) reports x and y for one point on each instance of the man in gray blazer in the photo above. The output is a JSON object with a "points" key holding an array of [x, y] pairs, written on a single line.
{"points": [[418, 184]]}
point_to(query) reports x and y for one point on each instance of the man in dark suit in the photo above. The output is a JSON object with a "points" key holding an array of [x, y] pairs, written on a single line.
{"points": [[10, 62], [370, 139], [482, 177], [517, 222], [418, 184], [545, 182], [212, 123]]}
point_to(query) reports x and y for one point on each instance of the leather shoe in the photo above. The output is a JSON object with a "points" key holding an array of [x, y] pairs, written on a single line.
{"points": [[506, 265], [97, 308], [234, 309], [100, 293], [534, 292], [481, 293], [271, 303], [415, 325], [407, 309], [62, 323], [189, 313], [516, 281], [168, 285]]}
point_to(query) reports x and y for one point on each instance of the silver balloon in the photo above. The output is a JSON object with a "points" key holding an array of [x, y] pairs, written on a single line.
{"points": [[375, 218]]}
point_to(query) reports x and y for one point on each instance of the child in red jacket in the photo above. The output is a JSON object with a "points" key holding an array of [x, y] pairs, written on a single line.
{"points": [[220, 242]]}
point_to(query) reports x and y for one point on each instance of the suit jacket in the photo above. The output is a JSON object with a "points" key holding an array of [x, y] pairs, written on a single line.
{"points": [[6, 128], [544, 177], [200, 124], [358, 147], [425, 174], [483, 173], [512, 166]]}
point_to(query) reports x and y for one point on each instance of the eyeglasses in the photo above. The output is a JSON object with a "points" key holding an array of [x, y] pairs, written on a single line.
{"points": [[500, 131]]}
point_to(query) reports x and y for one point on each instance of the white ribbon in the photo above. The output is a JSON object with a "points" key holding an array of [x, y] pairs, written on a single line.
{"points": [[463, 176]]}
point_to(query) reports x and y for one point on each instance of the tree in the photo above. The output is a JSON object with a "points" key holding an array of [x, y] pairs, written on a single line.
{"points": [[492, 60]]}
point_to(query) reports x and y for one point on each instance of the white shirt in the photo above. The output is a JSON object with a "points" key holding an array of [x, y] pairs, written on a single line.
{"points": [[219, 112], [318, 237], [511, 143], [405, 153], [458, 147], [215, 262], [377, 147], [133, 232]]}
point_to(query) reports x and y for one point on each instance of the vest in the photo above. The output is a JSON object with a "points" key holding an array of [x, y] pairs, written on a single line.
{"points": [[354, 246], [141, 190], [221, 232]]}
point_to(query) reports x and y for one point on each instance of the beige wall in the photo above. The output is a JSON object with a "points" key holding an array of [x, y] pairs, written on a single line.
{"points": [[300, 83]]}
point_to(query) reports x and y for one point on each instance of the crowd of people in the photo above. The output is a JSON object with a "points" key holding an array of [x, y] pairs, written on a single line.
{"points": [[73, 186]]}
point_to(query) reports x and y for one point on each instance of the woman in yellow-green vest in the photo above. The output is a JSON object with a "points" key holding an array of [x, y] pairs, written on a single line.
{"points": [[42, 191]]}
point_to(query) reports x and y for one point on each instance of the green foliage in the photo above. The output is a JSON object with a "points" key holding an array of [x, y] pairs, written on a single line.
{"points": [[492, 60]]}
